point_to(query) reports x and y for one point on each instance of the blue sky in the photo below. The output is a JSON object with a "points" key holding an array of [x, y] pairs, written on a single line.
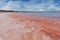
{"points": [[30, 5]]}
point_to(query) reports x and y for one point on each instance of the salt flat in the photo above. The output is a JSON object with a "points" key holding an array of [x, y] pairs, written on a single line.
{"points": [[28, 26]]}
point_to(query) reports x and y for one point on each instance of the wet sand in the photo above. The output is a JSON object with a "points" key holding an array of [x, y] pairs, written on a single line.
{"points": [[22, 26]]}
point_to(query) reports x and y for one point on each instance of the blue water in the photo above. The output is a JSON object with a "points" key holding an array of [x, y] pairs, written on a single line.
{"points": [[50, 14]]}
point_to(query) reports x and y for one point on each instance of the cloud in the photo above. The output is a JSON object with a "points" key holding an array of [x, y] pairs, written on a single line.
{"points": [[2, 3], [31, 5], [12, 6]]}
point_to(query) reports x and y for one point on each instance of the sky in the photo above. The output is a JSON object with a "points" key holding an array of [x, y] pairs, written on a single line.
{"points": [[30, 5]]}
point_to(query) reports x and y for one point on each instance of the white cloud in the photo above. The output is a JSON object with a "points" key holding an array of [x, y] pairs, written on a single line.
{"points": [[31, 6], [2, 3], [12, 6], [53, 8]]}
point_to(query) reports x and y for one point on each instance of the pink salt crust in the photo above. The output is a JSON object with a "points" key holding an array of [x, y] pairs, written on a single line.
{"points": [[24, 27]]}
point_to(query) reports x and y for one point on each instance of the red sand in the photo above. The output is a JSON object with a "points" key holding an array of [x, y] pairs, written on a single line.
{"points": [[24, 27]]}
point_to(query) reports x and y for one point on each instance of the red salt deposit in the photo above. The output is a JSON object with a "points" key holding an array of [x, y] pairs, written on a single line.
{"points": [[24, 27]]}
